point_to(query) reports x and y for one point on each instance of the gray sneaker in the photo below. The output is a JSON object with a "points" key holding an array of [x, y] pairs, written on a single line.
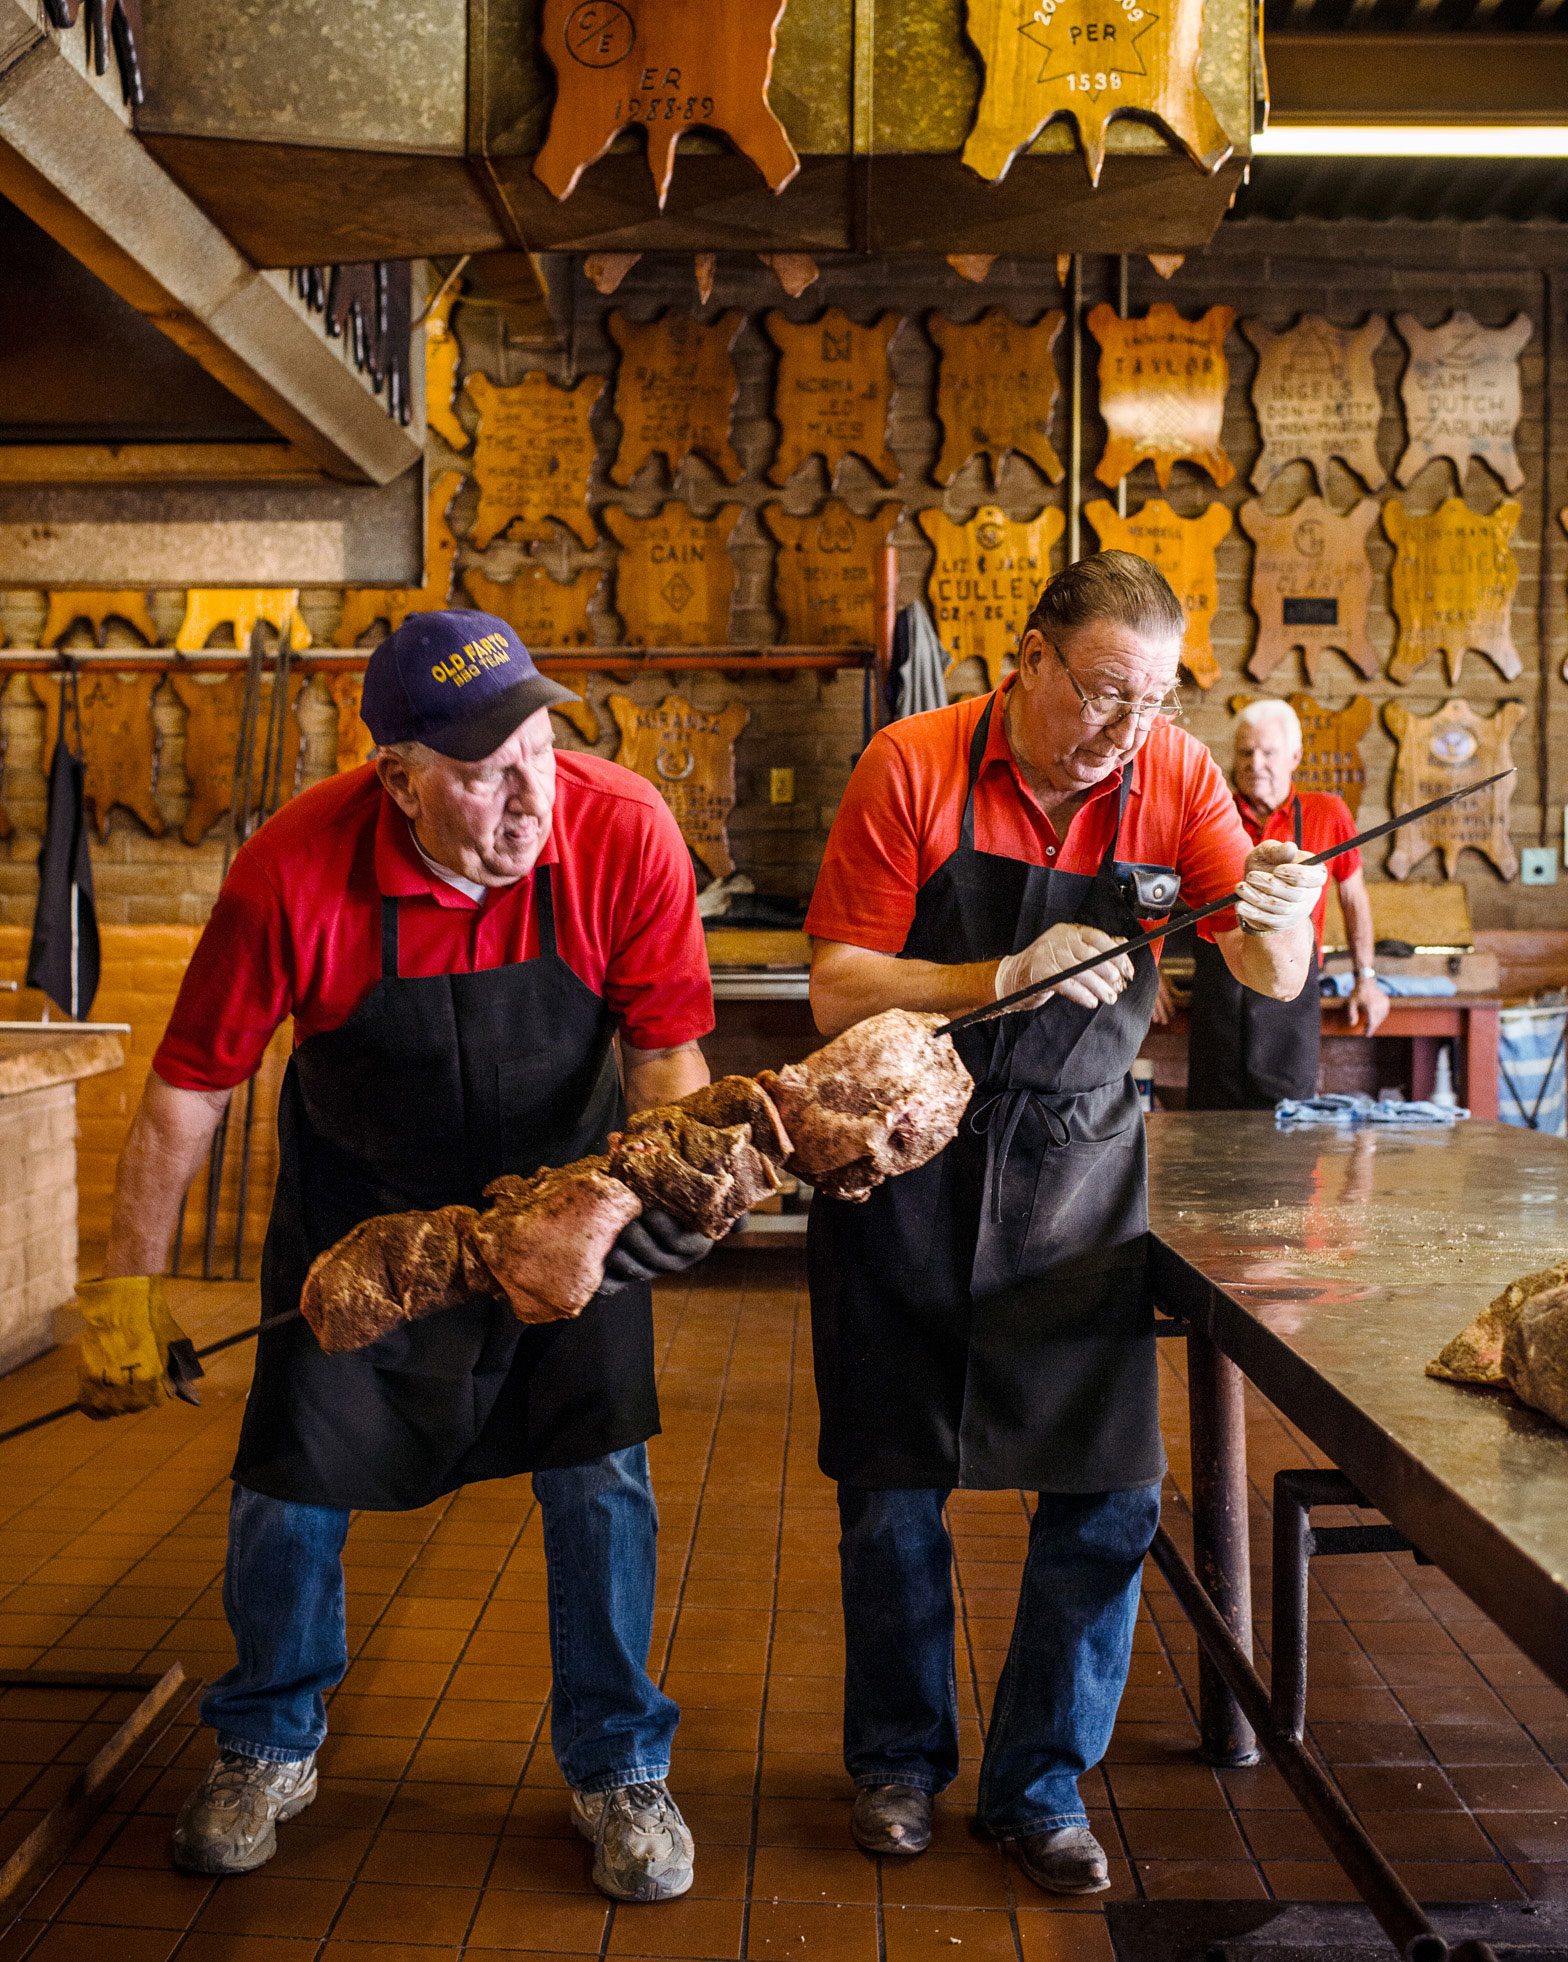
{"points": [[642, 1847], [229, 1823]]}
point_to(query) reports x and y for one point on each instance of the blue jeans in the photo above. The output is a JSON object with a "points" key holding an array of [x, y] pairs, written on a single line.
{"points": [[1065, 1671], [283, 1594]]}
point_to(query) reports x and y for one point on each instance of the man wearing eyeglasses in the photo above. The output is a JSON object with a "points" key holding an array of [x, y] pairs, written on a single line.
{"points": [[985, 1322]]}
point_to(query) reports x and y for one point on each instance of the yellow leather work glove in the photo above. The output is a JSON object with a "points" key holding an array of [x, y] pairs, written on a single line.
{"points": [[133, 1352]]}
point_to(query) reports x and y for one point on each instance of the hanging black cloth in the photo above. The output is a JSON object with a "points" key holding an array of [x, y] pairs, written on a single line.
{"points": [[63, 959], [433, 1087], [986, 1321], [1246, 1051]]}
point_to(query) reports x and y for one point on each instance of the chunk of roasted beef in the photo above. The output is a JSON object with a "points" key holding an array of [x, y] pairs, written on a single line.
{"points": [[882, 1098], [703, 1175], [389, 1271], [545, 1238]]}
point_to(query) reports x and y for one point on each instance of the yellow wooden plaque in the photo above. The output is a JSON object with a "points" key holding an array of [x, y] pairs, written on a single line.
{"points": [[1316, 397], [1183, 549], [1162, 390], [996, 390], [119, 742], [833, 392], [986, 576], [545, 612], [688, 755], [825, 575], [356, 745], [1461, 395], [96, 607], [674, 390], [214, 713], [665, 67], [1442, 752], [209, 607], [674, 576], [363, 606], [1311, 584], [1453, 586], [1330, 745], [1092, 60], [533, 455], [442, 355]]}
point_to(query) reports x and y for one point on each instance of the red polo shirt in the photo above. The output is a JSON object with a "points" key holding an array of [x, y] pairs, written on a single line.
{"points": [[901, 814], [1325, 821], [297, 927]]}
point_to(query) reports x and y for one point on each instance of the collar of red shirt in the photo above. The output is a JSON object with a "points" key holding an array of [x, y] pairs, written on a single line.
{"points": [[1256, 826], [999, 750], [402, 874]]}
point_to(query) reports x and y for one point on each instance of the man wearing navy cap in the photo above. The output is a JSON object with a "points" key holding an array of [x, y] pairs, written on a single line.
{"points": [[460, 930]]}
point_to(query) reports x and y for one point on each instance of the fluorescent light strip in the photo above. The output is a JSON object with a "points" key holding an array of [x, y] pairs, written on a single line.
{"points": [[1512, 141]]}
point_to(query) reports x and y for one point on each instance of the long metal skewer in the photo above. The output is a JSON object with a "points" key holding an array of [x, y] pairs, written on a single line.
{"points": [[1033, 992]]}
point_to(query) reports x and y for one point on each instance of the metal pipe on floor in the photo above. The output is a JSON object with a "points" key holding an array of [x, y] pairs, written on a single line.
{"points": [[1398, 1912]]}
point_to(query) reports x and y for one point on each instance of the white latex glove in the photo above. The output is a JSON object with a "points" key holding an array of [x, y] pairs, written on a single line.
{"points": [[1276, 894], [1063, 946]]}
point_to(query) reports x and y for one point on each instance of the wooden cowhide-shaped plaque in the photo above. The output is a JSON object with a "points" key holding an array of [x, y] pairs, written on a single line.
{"points": [[833, 392], [1461, 395], [97, 607], [688, 755], [825, 575], [674, 576], [1093, 60], [674, 389], [1315, 393], [214, 711], [1442, 752], [1162, 390], [996, 390], [241, 608], [119, 742], [985, 577], [442, 356], [1183, 549], [533, 455], [665, 67], [1453, 586], [1311, 584]]}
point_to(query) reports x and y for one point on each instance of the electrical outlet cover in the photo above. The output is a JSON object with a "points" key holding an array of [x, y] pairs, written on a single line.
{"points": [[1538, 865]]}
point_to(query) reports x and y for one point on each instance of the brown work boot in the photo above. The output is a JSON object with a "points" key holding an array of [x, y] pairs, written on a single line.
{"points": [[892, 1819], [1068, 1860]]}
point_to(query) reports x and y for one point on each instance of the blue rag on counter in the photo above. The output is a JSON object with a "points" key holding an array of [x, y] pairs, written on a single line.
{"points": [[1334, 1108], [1391, 984]]}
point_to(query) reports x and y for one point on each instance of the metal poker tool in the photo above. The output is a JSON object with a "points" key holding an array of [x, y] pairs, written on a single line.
{"points": [[1010, 1004]]}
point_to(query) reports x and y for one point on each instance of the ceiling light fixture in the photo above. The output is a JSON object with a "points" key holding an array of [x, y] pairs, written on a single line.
{"points": [[1513, 142]]}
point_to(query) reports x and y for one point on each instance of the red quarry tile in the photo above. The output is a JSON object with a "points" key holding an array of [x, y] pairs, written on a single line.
{"points": [[824, 1933], [926, 1934]]}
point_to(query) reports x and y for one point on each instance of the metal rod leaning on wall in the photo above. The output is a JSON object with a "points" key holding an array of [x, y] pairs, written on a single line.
{"points": [[1075, 410], [1398, 1912], [1121, 314]]}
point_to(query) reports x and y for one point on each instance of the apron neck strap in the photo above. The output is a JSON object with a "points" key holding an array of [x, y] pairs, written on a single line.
{"points": [[1107, 865], [966, 830]]}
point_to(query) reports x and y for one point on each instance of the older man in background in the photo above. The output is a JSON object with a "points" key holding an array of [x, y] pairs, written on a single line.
{"points": [[1246, 1051]]}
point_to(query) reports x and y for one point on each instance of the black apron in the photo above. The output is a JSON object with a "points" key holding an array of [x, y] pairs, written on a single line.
{"points": [[1244, 1050], [431, 1088], [985, 1321]]}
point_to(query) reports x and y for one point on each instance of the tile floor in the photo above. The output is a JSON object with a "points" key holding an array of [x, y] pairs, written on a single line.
{"points": [[440, 1832]]}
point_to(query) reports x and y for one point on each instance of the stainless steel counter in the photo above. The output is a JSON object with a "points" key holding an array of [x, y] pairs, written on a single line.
{"points": [[1330, 1267]]}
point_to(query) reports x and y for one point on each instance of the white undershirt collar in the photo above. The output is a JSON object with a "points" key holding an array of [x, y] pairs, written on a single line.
{"points": [[469, 888]]}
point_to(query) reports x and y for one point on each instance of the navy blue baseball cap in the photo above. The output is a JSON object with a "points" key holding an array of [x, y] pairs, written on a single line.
{"points": [[458, 682]]}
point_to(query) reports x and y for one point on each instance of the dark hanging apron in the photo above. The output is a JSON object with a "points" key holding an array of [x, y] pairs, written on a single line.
{"points": [[985, 1321], [1244, 1050], [433, 1087]]}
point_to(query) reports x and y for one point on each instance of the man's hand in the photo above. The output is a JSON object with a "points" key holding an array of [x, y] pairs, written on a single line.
{"points": [[1164, 1007], [1062, 946], [1370, 999], [1276, 892], [652, 1245], [133, 1352]]}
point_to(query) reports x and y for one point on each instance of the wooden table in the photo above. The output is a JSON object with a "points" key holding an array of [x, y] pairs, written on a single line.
{"points": [[1326, 1266]]}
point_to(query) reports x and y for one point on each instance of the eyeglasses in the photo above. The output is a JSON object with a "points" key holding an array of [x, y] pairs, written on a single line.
{"points": [[1105, 711]]}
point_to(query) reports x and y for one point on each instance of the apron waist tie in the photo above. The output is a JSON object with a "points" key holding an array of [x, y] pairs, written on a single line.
{"points": [[1006, 1108]]}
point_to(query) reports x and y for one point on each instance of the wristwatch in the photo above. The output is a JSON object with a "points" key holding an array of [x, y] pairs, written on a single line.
{"points": [[1366, 973]]}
